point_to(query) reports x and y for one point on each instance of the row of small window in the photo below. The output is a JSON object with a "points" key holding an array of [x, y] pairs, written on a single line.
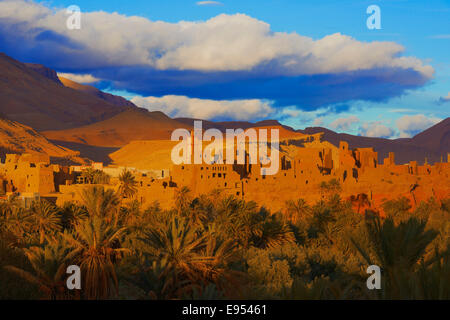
{"points": [[219, 175], [216, 168], [32, 165], [212, 169]]}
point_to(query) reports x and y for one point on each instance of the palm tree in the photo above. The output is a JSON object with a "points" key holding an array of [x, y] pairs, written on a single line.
{"points": [[157, 281], [101, 202], [274, 232], [179, 244], [46, 218], [71, 214], [191, 258], [297, 210], [131, 214], [128, 184], [182, 199], [97, 246], [220, 253], [15, 223], [49, 264], [433, 277], [361, 200], [99, 177], [88, 175], [238, 219], [396, 249]]}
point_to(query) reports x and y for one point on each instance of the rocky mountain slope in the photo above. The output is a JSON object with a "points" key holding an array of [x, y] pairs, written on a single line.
{"points": [[18, 138], [109, 98], [31, 96]]}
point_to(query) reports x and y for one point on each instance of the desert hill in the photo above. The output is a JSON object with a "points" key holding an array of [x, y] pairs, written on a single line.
{"points": [[18, 138], [31, 96], [135, 124], [285, 131], [150, 154], [139, 124], [156, 154], [223, 125]]}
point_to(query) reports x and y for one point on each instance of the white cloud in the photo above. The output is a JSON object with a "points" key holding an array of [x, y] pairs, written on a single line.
{"points": [[375, 129], [209, 3], [291, 112], [318, 122], [182, 106], [296, 117], [223, 43], [412, 125], [80, 78], [344, 123]]}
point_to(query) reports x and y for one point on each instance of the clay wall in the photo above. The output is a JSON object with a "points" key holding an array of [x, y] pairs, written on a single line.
{"points": [[28, 177]]}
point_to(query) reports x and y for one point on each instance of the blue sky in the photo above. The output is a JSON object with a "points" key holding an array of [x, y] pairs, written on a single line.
{"points": [[374, 92]]}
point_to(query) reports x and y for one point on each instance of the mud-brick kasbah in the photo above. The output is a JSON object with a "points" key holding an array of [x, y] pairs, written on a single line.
{"points": [[303, 167]]}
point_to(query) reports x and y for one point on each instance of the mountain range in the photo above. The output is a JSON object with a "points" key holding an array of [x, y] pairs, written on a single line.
{"points": [[29, 94], [80, 117]]}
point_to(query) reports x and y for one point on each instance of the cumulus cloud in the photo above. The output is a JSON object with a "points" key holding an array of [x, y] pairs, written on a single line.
{"points": [[375, 129], [222, 43], [344, 123], [227, 57], [209, 3], [409, 126], [80, 78], [181, 106], [293, 113], [297, 118]]}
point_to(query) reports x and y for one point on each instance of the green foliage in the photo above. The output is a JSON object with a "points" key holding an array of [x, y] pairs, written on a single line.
{"points": [[45, 219], [100, 202], [92, 176], [397, 209], [217, 246], [128, 184], [397, 249], [268, 272], [330, 187], [96, 246], [10, 288], [49, 267]]}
